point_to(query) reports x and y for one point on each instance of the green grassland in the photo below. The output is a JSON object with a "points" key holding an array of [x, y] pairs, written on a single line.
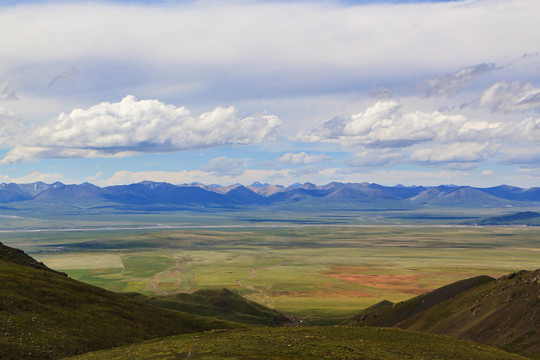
{"points": [[305, 343], [313, 272]]}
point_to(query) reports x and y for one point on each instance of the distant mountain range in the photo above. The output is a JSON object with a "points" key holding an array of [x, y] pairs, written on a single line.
{"points": [[334, 194]]}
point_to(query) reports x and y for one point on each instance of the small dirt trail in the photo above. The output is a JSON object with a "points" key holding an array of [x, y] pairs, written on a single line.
{"points": [[175, 271], [189, 352], [259, 296]]}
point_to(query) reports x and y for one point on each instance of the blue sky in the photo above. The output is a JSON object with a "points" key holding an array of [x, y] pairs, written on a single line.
{"points": [[393, 92]]}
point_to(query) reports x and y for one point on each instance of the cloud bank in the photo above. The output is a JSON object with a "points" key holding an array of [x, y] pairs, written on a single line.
{"points": [[134, 126], [386, 134], [383, 125], [245, 46]]}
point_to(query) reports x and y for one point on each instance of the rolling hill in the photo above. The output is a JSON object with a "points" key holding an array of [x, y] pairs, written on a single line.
{"points": [[387, 313], [345, 343], [504, 312], [222, 304]]}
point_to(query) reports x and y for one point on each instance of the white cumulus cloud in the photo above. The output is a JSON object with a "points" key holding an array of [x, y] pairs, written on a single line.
{"points": [[134, 126], [384, 125], [302, 158]]}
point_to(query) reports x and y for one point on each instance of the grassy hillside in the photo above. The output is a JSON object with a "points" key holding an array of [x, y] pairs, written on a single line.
{"points": [[305, 343], [223, 304], [45, 315], [505, 313], [16, 256], [388, 314]]}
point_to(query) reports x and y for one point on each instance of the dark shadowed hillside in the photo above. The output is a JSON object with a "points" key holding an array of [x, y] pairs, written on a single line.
{"points": [[503, 312], [16, 256], [386, 313], [222, 304], [45, 315]]}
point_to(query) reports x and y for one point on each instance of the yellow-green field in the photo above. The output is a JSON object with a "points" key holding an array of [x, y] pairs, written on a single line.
{"points": [[307, 271]]}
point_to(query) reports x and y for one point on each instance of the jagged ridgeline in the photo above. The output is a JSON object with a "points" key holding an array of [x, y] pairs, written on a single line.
{"points": [[156, 196], [46, 315]]}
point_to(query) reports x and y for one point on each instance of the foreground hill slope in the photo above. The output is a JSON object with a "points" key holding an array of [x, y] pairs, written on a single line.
{"points": [[46, 315], [386, 313], [306, 343], [503, 312], [16, 256], [222, 304]]}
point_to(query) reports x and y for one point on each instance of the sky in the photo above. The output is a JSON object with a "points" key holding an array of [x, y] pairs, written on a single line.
{"points": [[224, 92]]}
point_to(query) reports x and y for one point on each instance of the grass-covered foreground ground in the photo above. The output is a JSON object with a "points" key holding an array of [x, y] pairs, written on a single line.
{"points": [[305, 343]]}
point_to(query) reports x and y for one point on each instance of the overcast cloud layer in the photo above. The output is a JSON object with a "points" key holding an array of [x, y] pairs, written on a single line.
{"points": [[413, 93]]}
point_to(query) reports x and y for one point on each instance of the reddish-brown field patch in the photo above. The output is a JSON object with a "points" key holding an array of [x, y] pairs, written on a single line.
{"points": [[407, 284], [320, 293]]}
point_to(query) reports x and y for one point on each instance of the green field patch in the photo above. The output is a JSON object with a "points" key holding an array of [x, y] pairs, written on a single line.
{"points": [[146, 264], [83, 261], [134, 286]]}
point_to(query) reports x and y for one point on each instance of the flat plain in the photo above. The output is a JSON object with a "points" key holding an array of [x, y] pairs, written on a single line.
{"points": [[317, 273]]}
